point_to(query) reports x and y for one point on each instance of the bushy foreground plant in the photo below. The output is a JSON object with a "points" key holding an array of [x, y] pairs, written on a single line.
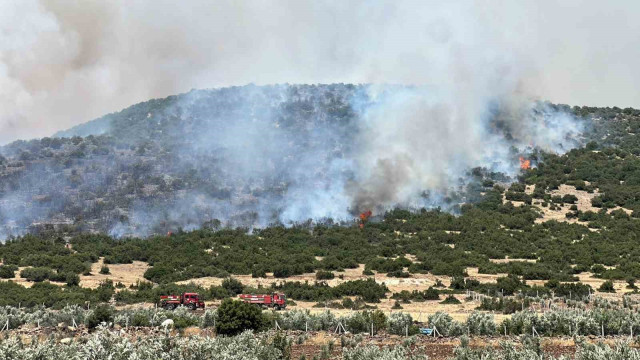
{"points": [[110, 345], [69, 316], [401, 324], [236, 316], [532, 350], [558, 322], [373, 352]]}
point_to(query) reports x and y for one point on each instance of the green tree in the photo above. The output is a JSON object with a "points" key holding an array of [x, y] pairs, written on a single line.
{"points": [[72, 279], [233, 286], [607, 287], [235, 317]]}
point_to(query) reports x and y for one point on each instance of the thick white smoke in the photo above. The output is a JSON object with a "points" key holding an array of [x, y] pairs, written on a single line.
{"points": [[63, 63]]}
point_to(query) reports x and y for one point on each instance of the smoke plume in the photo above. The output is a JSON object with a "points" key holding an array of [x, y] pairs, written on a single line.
{"points": [[63, 63], [466, 76]]}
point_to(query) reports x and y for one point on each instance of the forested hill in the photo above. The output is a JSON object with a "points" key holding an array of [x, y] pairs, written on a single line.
{"points": [[177, 162], [241, 156]]}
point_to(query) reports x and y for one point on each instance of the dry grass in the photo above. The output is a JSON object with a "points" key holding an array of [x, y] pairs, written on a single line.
{"points": [[620, 286], [420, 311], [127, 274], [415, 282], [483, 278], [583, 204]]}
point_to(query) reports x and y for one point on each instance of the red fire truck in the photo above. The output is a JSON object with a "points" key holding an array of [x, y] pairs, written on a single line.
{"points": [[275, 300], [190, 300]]}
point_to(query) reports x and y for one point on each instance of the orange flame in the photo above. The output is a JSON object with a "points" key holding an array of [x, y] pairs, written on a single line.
{"points": [[364, 217], [524, 163]]}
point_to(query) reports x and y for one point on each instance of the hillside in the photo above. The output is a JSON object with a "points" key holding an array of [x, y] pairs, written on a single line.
{"points": [[177, 162], [542, 247], [256, 155]]}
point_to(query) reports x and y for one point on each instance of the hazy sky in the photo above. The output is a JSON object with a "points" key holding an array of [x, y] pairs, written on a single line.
{"points": [[63, 63]]}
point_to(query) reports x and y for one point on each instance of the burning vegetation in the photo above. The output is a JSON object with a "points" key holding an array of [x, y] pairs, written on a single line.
{"points": [[525, 164], [364, 217]]}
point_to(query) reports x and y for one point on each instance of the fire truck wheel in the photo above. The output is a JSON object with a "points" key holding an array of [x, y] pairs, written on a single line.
{"points": [[192, 306], [170, 307], [277, 307]]}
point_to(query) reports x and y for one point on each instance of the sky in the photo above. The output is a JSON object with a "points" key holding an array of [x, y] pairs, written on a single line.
{"points": [[63, 63]]}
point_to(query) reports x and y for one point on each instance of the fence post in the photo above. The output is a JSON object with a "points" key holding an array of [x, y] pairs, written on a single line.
{"points": [[602, 327], [406, 331]]}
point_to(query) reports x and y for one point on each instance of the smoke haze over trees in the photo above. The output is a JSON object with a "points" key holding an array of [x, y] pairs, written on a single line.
{"points": [[255, 155], [466, 75]]}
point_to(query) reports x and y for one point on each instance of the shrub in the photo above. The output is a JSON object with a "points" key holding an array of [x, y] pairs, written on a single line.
{"points": [[445, 324], [373, 352], [598, 269], [72, 280], [431, 294], [282, 343], [37, 274], [282, 272], [235, 317], [450, 300], [101, 314], [233, 286], [105, 344], [324, 275], [7, 271], [399, 322], [399, 274], [360, 322], [209, 319], [481, 324], [104, 270], [258, 272], [607, 287], [140, 319], [184, 318]]}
